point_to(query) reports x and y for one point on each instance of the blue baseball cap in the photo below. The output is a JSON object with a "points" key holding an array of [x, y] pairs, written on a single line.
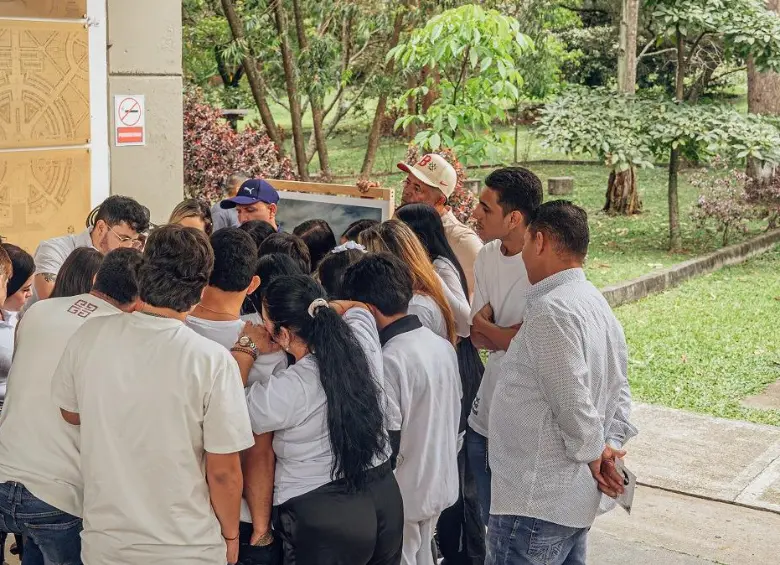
{"points": [[252, 192]]}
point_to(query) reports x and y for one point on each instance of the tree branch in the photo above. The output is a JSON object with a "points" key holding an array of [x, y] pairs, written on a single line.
{"points": [[655, 53], [695, 46]]}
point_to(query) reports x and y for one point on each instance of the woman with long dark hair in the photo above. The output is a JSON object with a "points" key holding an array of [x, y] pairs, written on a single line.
{"points": [[426, 223], [461, 534], [335, 495]]}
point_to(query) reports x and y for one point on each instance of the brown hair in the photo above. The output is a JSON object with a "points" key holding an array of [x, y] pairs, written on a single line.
{"points": [[6, 267], [397, 238], [192, 208]]}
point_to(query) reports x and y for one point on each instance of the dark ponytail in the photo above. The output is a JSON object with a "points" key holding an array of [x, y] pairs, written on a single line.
{"points": [[355, 419]]}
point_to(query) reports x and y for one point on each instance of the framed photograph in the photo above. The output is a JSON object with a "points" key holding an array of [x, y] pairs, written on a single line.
{"points": [[339, 205]]}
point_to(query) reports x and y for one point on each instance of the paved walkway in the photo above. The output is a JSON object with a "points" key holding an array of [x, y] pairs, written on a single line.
{"points": [[720, 459]]}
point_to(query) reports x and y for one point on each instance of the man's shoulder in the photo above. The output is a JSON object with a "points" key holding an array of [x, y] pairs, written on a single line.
{"points": [[491, 249], [419, 343], [81, 307]]}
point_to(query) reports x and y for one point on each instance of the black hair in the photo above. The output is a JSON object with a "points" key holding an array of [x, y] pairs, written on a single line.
{"points": [[355, 416], [270, 267], [318, 237], [258, 230], [331, 270], [426, 223], [382, 280], [518, 190], [23, 267], [117, 277], [177, 265], [117, 209], [565, 223], [235, 260], [353, 230], [288, 244], [77, 273]]}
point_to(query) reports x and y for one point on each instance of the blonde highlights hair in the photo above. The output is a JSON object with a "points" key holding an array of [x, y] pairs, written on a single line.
{"points": [[193, 208], [394, 236]]}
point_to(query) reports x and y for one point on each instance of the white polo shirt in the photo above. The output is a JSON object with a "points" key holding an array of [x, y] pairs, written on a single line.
{"points": [[51, 254], [226, 333], [429, 314], [453, 290], [154, 397], [37, 447], [423, 391], [502, 282], [7, 332], [293, 405]]}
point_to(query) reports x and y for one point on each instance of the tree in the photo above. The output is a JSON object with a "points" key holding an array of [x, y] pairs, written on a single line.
{"points": [[256, 82], [763, 98], [476, 52]]}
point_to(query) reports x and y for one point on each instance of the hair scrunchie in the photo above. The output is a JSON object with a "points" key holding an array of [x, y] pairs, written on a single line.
{"points": [[350, 245], [316, 305]]}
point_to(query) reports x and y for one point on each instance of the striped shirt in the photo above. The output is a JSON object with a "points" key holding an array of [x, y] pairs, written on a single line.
{"points": [[561, 395]]}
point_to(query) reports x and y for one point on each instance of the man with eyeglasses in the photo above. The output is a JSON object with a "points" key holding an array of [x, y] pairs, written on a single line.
{"points": [[432, 180], [119, 222]]}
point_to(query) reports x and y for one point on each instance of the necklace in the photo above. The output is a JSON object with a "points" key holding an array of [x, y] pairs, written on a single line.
{"points": [[201, 305]]}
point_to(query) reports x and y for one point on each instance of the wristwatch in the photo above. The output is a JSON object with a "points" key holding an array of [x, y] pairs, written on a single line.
{"points": [[246, 345]]}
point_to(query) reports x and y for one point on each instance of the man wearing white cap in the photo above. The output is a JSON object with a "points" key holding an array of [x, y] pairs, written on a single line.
{"points": [[432, 181]]}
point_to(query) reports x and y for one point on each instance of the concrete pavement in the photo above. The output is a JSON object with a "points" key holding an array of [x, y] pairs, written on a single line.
{"points": [[726, 460]]}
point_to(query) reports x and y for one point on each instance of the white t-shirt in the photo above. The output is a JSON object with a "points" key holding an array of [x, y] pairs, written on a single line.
{"points": [[429, 314], [226, 333], [423, 391], [154, 397], [293, 406], [37, 447], [456, 298], [7, 331], [502, 282], [51, 254]]}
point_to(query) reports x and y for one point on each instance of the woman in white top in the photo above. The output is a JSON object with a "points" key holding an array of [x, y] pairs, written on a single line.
{"points": [[18, 291], [460, 532], [335, 497], [429, 302]]}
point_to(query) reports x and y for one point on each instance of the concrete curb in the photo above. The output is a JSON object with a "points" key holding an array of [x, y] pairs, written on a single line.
{"points": [[646, 285]]}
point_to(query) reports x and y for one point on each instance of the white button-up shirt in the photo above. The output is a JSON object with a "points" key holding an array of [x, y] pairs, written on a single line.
{"points": [[562, 394]]}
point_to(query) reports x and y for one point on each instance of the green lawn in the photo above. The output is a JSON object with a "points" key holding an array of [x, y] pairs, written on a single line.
{"points": [[710, 343]]}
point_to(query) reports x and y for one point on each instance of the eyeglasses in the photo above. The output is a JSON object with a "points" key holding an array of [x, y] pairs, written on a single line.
{"points": [[126, 240]]}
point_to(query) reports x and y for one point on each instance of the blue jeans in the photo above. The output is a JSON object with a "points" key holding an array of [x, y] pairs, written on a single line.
{"points": [[51, 535], [477, 452], [517, 540]]}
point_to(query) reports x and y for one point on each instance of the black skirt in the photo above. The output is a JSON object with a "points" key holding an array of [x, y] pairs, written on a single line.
{"points": [[332, 526]]}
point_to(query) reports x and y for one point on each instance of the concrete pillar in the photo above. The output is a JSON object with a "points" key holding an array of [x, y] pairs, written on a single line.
{"points": [[144, 57]]}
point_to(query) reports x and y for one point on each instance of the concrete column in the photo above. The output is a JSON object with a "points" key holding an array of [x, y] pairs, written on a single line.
{"points": [[144, 57]]}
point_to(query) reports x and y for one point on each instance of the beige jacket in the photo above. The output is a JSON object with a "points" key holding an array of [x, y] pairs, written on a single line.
{"points": [[465, 243]]}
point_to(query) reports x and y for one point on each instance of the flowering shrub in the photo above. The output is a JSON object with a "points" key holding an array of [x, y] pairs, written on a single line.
{"points": [[213, 151], [462, 201], [766, 197], [722, 200]]}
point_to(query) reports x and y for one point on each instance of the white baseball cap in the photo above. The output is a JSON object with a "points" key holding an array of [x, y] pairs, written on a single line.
{"points": [[434, 171]]}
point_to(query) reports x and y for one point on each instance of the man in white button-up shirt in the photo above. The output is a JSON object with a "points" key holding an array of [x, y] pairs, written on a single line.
{"points": [[561, 408]]}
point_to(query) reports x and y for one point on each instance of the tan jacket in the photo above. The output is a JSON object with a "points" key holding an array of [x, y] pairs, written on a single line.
{"points": [[465, 243]]}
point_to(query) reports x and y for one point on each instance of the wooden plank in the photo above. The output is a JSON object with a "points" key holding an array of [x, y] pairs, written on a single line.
{"points": [[66, 9], [333, 189], [43, 194], [44, 84]]}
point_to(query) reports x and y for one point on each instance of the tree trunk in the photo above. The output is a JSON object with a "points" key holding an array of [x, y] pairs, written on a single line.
{"points": [[292, 91], [381, 105], [433, 92], [622, 195], [253, 76], [763, 98], [675, 237], [315, 99], [629, 24], [623, 188]]}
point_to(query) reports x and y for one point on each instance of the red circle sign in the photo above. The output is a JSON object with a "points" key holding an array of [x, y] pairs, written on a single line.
{"points": [[129, 112]]}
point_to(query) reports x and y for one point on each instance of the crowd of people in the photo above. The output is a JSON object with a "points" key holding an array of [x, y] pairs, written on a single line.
{"points": [[216, 390]]}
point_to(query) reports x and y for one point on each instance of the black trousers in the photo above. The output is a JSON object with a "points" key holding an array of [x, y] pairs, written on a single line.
{"points": [[460, 533], [332, 526]]}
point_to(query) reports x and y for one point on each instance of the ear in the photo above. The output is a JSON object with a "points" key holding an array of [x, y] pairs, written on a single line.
{"points": [[100, 227], [283, 338], [272, 210], [539, 242], [253, 285], [516, 219]]}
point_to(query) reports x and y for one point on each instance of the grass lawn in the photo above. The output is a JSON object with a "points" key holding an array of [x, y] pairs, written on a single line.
{"points": [[709, 343]]}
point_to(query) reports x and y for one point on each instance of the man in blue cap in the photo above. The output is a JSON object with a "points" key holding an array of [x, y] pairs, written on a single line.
{"points": [[256, 200]]}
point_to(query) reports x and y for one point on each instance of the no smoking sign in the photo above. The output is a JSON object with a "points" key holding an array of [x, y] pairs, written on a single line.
{"points": [[129, 119]]}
